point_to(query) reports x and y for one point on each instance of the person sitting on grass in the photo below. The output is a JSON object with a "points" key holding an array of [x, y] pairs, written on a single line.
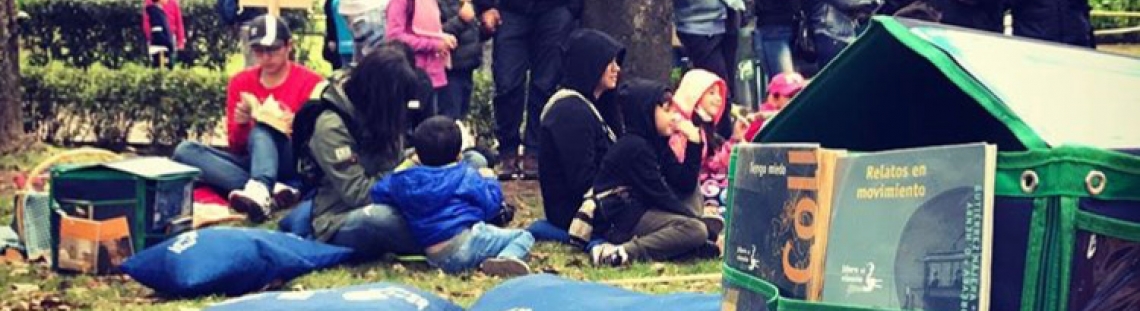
{"points": [[780, 92], [445, 203], [640, 215], [253, 172]]}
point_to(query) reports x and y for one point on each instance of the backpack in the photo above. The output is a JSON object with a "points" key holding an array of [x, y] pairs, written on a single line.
{"points": [[304, 124]]}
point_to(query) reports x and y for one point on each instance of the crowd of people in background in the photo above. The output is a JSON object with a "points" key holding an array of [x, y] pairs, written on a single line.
{"points": [[625, 165]]}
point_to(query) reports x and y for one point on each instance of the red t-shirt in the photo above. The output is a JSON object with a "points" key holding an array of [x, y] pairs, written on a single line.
{"points": [[294, 92]]}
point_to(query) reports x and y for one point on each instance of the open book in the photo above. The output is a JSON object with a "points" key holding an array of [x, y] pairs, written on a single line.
{"points": [[269, 113]]}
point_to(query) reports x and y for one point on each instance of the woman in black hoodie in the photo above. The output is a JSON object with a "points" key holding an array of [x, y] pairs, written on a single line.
{"points": [[638, 208], [575, 129]]}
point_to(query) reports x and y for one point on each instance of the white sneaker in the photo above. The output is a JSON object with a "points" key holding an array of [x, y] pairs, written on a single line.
{"points": [[504, 267], [607, 254], [253, 201], [285, 196]]}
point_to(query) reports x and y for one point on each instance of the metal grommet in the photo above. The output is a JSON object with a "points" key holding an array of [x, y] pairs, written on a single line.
{"points": [[1095, 182], [1028, 181]]}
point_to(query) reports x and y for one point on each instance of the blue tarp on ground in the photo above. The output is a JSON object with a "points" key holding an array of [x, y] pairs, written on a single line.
{"points": [[374, 296], [544, 292]]}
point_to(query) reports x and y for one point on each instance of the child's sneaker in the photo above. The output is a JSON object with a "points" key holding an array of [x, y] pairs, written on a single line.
{"points": [[607, 254], [285, 196], [254, 201], [504, 267]]}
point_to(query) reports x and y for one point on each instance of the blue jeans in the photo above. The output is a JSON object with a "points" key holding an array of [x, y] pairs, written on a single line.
{"points": [[468, 249], [526, 43], [543, 230], [475, 159], [455, 98], [772, 46], [270, 159], [374, 230]]}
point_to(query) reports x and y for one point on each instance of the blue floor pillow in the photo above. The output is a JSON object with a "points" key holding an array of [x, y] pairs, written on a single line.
{"points": [[544, 292], [229, 261], [374, 296]]}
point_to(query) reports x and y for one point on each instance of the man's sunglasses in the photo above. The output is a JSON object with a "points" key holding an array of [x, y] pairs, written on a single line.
{"points": [[261, 49]]}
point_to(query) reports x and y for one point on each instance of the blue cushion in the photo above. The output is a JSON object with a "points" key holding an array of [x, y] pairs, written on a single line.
{"points": [[230, 261], [374, 296], [299, 221], [544, 292]]}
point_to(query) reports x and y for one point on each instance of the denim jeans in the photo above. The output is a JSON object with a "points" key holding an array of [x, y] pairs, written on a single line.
{"points": [[772, 46], [475, 159], [454, 99], [270, 159], [526, 43], [374, 230], [543, 230], [367, 30], [468, 249]]}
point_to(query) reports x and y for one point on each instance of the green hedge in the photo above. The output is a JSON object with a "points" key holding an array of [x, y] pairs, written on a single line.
{"points": [[1100, 22], [62, 105], [82, 33]]}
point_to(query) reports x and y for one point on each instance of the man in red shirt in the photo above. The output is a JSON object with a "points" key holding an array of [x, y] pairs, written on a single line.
{"points": [[259, 153]]}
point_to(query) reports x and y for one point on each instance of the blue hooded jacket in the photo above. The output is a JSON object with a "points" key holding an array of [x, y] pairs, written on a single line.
{"points": [[439, 202]]}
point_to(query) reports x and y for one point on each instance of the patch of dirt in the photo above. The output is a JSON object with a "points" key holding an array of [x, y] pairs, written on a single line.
{"points": [[525, 195]]}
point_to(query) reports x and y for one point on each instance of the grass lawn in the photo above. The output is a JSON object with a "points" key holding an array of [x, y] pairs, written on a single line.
{"points": [[35, 287]]}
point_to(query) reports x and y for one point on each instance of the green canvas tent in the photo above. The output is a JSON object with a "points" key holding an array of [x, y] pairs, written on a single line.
{"points": [[905, 83], [1064, 119]]}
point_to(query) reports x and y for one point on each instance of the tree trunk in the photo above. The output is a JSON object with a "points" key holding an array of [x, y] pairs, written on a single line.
{"points": [[11, 121], [646, 29]]}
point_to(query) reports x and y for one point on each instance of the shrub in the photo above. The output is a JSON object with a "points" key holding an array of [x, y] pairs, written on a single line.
{"points": [[68, 105], [481, 117], [82, 33]]}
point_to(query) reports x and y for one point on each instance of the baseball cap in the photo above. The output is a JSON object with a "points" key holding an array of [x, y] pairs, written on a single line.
{"points": [[786, 84], [268, 30]]}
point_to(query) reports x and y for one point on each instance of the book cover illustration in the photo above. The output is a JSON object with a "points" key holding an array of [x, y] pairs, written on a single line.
{"points": [[910, 229], [92, 246], [1105, 274], [269, 112], [772, 216]]}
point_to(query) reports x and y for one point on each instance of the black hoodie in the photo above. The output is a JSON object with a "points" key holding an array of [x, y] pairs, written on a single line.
{"points": [[642, 161], [529, 7], [778, 12], [572, 137]]}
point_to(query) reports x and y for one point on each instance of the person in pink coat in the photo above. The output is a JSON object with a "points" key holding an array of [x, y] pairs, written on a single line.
{"points": [[417, 24]]}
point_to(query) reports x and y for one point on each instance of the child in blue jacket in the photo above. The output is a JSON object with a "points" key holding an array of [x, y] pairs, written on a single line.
{"points": [[446, 202]]}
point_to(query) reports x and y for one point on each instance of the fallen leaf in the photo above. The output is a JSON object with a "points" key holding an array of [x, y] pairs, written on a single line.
{"points": [[550, 270], [19, 272], [24, 288], [576, 262]]}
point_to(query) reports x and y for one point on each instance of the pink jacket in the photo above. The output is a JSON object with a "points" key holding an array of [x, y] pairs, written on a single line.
{"points": [[423, 33], [174, 17], [694, 85]]}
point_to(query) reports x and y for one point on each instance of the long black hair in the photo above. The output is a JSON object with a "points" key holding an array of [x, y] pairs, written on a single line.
{"points": [[380, 87]]}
